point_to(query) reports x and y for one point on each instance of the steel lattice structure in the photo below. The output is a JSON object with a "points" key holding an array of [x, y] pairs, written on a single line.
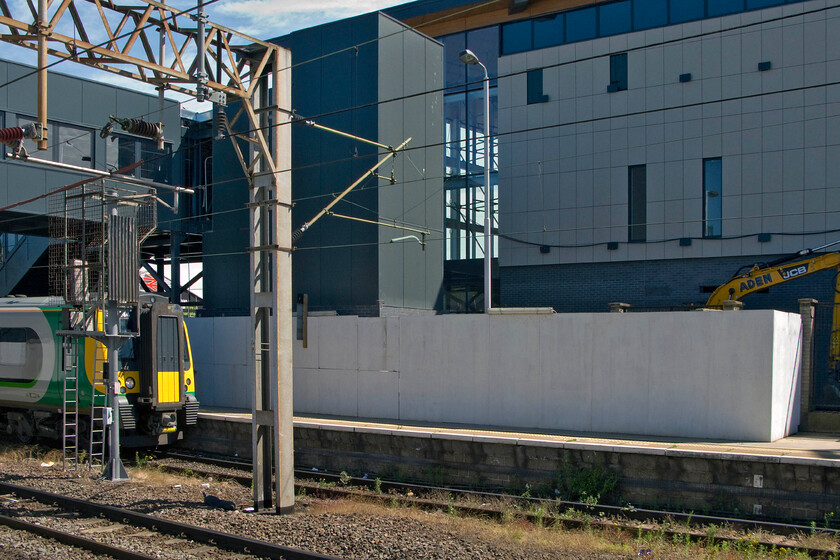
{"points": [[212, 62]]}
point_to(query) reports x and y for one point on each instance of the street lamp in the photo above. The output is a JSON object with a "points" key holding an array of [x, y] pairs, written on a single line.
{"points": [[469, 57]]}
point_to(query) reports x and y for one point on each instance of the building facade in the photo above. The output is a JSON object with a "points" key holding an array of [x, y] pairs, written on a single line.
{"points": [[647, 149]]}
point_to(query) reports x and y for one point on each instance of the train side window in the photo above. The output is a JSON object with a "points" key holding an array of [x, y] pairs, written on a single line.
{"points": [[20, 355]]}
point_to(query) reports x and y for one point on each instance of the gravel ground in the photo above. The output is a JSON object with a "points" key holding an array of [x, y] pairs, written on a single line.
{"points": [[343, 529]]}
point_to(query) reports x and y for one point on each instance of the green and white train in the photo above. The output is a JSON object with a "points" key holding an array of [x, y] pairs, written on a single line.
{"points": [[156, 377]]}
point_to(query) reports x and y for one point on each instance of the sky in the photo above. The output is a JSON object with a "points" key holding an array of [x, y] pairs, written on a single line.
{"points": [[262, 19]]}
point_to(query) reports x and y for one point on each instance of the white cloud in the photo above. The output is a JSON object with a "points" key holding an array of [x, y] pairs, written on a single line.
{"points": [[266, 19]]}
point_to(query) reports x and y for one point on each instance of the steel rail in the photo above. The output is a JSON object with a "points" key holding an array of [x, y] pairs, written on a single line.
{"points": [[693, 522], [634, 513], [218, 539], [74, 540]]}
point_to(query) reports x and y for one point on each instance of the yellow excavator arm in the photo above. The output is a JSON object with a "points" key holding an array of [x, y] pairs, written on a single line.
{"points": [[763, 276], [760, 277]]}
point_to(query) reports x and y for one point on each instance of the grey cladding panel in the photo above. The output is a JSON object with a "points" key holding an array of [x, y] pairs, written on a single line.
{"points": [[64, 98]]}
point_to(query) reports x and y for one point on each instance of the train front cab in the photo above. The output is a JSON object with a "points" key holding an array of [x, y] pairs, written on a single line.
{"points": [[156, 407]]}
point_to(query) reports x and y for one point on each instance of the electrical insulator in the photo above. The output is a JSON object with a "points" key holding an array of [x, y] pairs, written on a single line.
{"points": [[221, 122], [14, 136], [11, 135], [135, 126]]}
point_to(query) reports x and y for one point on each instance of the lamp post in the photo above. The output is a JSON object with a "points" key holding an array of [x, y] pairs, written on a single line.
{"points": [[469, 57]]}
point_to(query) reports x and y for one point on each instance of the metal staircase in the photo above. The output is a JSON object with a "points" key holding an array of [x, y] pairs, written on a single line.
{"points": [[19, 254], [70, 408]]}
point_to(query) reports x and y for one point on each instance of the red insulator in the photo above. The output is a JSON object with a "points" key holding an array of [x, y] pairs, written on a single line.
{"points": [[12, 134]]}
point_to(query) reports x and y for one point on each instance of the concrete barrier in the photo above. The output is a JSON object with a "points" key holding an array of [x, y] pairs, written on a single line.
{"points": [[718, 375]]}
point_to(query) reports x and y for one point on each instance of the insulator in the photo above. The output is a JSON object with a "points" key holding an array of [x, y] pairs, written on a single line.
{"points": [[221, 123], [12, 134], [141, 128]]}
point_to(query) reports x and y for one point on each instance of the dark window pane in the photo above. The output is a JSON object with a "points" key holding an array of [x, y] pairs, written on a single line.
{"points": [[455, 134], [456, 71], [756, 4], [516, 37], [156, 164], [485, 44], [650, 13], [618, 72], [686, 10], [548, 31], [712, 198], [126, 155], [580, 25], [535, 87], [723, 7], [638, 203], [74, 145], [615, 18]]}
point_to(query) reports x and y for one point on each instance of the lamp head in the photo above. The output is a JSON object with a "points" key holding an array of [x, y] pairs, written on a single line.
{"points": [[468, 57]]}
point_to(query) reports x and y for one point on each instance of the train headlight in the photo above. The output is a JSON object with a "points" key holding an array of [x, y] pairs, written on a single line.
{"points": [[129, 383], [189, 382]]}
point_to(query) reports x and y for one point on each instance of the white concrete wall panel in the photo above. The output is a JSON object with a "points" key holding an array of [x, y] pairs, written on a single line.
{"points": [[221, 351], [719, 375]]}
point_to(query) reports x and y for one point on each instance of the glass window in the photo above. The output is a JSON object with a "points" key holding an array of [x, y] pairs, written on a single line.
{"points": [[638, 203], [618, 72], [516, 37], [548, 31], [475, 120], [122, 151], [74, 145], [157, 165], [615, 18], [21, 355], [456, 71], [650, 13], [485, 44], [65, 143], [535, 87], [756, 4], [723, 7], [580, 25], [455, 134], [686, 10], [712, 199]]}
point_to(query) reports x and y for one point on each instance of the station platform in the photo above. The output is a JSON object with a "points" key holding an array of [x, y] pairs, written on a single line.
{"points": [[798, 446], [794, 478]]}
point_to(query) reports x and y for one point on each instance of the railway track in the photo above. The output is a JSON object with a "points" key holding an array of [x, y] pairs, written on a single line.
{"points": [[678, 525], [125, 534]]}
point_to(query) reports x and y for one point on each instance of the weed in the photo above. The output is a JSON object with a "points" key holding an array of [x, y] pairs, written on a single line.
{"points": [[142, 460], [344, 478], [586, 483], [377, 485]]}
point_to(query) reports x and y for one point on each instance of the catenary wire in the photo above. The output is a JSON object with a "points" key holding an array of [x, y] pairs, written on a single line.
{"points": [[602, 118]]}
